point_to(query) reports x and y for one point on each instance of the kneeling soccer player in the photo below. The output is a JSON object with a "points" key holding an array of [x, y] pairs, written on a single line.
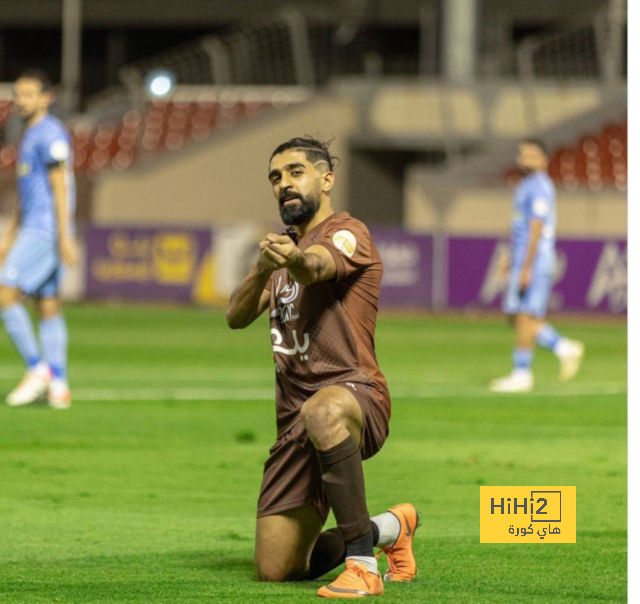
{"points": [[321, 281]]}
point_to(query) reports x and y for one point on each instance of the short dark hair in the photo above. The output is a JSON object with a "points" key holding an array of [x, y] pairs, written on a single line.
{"points": [[537, 142], [314, 149], [40, 75]]}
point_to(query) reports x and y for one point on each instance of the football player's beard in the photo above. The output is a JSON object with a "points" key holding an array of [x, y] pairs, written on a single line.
{"points": [[302, 212]]}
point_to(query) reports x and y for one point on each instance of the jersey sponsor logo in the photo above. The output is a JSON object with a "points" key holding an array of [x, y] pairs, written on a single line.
{"points": [[286, 294], [610, 279], [346, 242], [59, 150], [298, 349]]}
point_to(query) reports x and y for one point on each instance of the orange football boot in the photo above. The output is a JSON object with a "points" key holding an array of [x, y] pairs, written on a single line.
{"points": [[357, 581], [402, 562]]}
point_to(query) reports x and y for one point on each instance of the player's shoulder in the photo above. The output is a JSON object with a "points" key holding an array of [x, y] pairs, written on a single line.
{"points": [[539, 183], [344, 221], [52, 127]]}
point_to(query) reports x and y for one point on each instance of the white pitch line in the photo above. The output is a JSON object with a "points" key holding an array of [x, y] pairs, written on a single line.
{"points": [[267, 394]]}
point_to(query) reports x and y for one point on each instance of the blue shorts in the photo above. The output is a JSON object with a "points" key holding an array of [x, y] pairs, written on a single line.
{"points": [[534, 300], [33, 265]]}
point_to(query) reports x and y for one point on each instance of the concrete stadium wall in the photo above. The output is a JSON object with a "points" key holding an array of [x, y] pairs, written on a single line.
{"points": [[504, 110], [223, 180], [487, 211]]}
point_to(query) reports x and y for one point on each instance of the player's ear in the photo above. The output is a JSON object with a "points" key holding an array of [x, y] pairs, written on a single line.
{"points": [[328, 178]]}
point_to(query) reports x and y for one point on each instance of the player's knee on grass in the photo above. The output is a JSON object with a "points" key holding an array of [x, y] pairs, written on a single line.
{"points": [[284, 543], [272, 571], [8, 296]]}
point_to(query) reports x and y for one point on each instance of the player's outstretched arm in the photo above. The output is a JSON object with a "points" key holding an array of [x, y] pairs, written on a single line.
{"points": [[250, 299], [314, 265]]}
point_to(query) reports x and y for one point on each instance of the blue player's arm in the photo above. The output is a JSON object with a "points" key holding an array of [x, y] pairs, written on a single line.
{"points": [[66, 244], [9, 235], [535, 232]]}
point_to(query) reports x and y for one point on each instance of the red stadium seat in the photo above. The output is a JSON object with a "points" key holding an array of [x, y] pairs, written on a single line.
{"points": [[597, 160]]}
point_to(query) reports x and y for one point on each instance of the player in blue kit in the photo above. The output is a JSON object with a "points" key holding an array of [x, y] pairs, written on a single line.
{"points": [[37, 242], [530, 273]]}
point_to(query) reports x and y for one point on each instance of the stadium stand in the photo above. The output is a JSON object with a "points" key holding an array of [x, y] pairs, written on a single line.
{"points": [[595, 161], [160, 126]]}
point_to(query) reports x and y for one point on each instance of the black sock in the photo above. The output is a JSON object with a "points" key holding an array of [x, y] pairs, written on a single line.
{"points": [[330, 551], [343, 478]]}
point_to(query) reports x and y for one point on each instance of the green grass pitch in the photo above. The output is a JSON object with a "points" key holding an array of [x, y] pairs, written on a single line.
{"points": [[145, 491]]}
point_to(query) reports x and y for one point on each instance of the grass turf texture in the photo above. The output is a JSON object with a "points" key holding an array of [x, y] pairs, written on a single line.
{"points": [[132, 500]]}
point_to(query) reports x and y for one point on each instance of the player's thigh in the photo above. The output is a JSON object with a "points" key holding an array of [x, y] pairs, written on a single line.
{"points": [[284, 543], [536, 301], [512, 299], [31, 263]]}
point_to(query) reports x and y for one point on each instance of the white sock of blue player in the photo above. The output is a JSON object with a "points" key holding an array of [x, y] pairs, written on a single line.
{"points": [[53, 337], [550, 339], [522, 360], [19, 328]]}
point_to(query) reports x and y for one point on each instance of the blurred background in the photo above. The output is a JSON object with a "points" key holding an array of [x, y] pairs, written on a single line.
{"points": [[175, 108]]}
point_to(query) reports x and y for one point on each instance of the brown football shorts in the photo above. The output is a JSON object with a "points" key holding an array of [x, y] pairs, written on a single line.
{"points": [[292, 476]]}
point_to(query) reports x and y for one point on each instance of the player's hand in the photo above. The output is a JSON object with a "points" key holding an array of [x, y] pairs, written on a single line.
{"points": [[267, 262], [525, 278], [69, 252], [504, 266], [279, 251]]}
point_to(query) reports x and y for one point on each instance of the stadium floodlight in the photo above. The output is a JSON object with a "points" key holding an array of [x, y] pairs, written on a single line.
{"points": [[160, 82]]}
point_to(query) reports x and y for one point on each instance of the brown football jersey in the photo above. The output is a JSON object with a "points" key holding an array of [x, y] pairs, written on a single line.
{"points": [[323, 334]]}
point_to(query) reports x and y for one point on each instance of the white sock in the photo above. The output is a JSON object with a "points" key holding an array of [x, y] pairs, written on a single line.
{"points": [[42, 368], [59, 383], [389, 528], [370, 562], [563, 348], [521, 373]]}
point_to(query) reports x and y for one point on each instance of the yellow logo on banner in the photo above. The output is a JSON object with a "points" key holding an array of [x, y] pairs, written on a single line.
{"points": [[175, 256], [527, 514]]}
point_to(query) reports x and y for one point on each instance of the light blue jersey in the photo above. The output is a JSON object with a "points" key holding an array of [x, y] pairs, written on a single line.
{"points": [[33, 265], [43, 145], [534, 199]]}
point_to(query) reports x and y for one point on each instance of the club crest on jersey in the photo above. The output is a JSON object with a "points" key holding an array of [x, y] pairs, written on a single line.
{"points": [[286, 294], [346, 242]]}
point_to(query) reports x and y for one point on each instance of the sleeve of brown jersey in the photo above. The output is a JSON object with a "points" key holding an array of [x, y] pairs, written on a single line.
{"points": [[349, 243]]}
